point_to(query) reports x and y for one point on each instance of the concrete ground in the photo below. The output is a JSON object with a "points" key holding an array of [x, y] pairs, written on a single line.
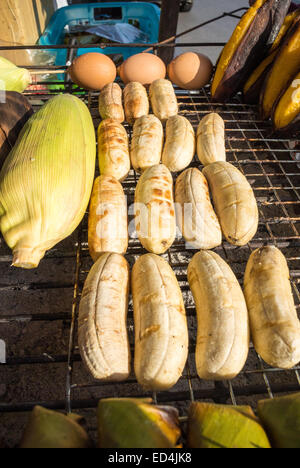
{"points": [[219, 31]]}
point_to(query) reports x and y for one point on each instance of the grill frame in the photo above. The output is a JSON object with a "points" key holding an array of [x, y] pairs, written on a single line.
{"points": [[267, 162], [192, 105]]}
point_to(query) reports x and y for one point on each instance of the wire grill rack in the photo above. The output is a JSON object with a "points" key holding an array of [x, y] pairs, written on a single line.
{"points": [[39, 309]]}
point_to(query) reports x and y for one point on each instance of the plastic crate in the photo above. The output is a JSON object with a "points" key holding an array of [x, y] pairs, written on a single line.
{"points": [[147, 15]]}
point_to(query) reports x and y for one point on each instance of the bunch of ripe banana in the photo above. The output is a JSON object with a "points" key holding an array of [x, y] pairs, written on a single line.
{"points": [[262, 59]]}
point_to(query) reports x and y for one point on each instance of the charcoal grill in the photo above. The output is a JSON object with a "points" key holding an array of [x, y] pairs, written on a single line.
{"points": [[39, 309]]}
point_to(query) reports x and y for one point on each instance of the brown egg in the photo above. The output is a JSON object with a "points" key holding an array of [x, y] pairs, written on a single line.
{"points": [[93, 71], [144, 68], [190, 70]]}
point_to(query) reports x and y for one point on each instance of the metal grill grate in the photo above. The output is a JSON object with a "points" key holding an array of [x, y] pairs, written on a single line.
{"points": [[38, 312]]}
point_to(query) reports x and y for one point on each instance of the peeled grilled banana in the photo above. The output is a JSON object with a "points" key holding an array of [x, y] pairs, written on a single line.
{"points": [[163, 99], [223, 325], [161, 334], [234, 202], [147, 143], [194, 212], [102, 334], [108, 220], [154, 210], [113, 149], [211, 139], [180, 144], [136, 102], [275, 327], [110, 103]]}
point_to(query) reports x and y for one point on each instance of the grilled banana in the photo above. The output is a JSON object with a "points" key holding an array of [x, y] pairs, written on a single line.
{"points": [[102, 334], [154, 210], [110, 103], [285, 66], [147, 143], [257, 78], [113, 149], [211, 140], [286, 112], [108, 220], [180, 144], [275, 327], [223, 326], [163, 99], [194, 212], [136, 101], [255, 82], [234, 202], [248, 46], [161, 334]]}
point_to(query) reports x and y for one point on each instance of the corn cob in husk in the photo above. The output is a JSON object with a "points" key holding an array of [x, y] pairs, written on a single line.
{"points": [[50, 429], [224, 426], [13, 78], [46, 181], [136, 423]]}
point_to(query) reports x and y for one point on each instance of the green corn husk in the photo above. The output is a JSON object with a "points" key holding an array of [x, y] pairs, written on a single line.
{"points": [[13, 78], [221, 426], [50, 429], [136, 423], [46, 181], [281, 419]]}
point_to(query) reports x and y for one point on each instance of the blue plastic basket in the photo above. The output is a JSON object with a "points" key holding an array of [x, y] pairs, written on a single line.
{"points": [[147, 14]]}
